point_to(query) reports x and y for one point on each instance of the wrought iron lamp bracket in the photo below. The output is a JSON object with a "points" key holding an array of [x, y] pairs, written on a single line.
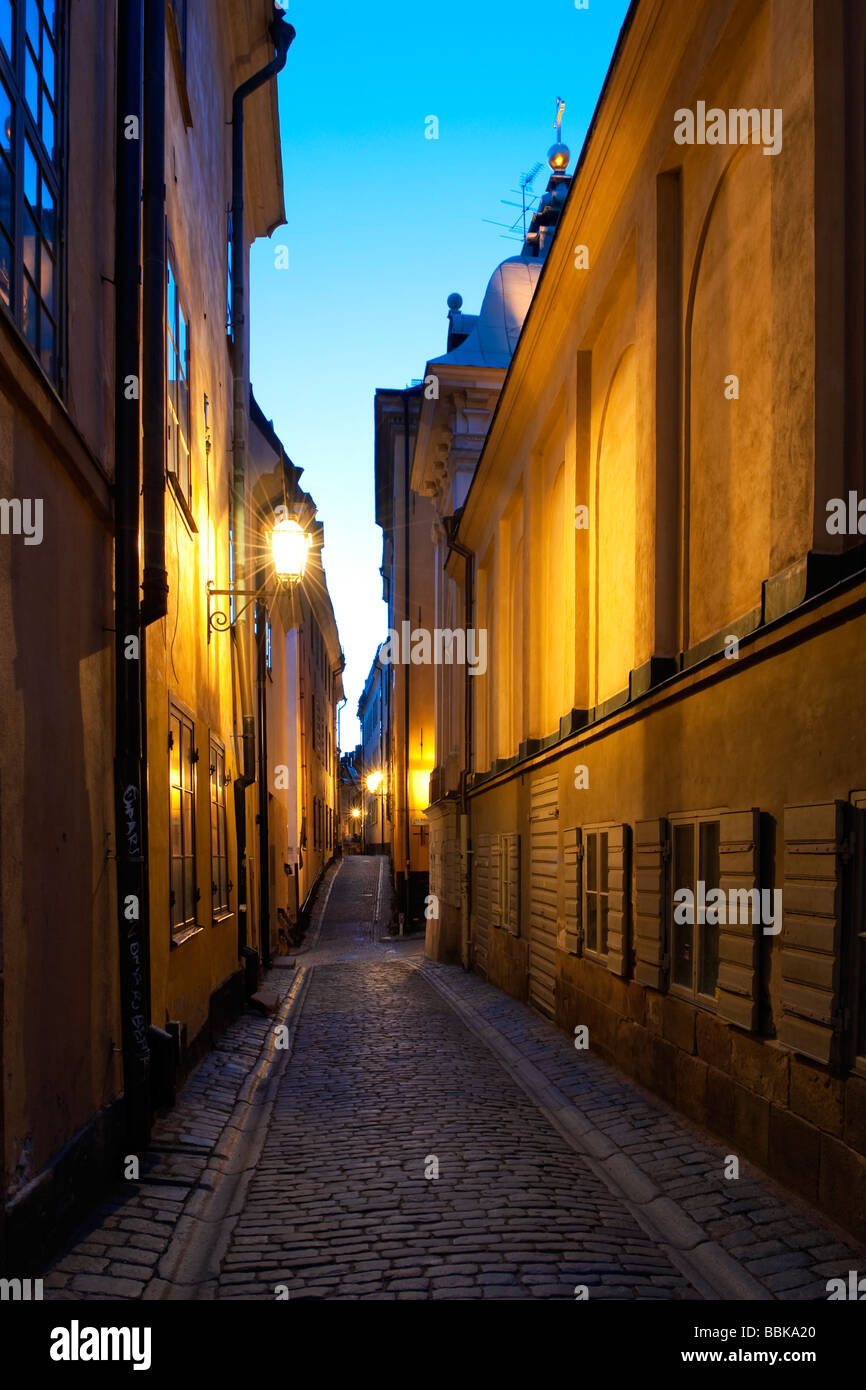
{"points": [[219, 618]]}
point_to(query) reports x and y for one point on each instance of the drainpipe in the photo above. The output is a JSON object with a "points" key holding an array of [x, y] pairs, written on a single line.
{"points": [[465, 877], [282, 35], [130, 811]]}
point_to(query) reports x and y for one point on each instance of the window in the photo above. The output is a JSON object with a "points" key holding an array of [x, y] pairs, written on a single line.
{"points": [[596, 891], [30, 174], [182, 760], [695, 943], [218, 832], [319, 727], [177, 393], [505, 882]]}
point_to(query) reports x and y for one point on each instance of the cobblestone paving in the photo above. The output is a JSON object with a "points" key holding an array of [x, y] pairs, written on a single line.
{"points": [[780, 1240], [385, 1079], [116, 1253], [387, 1074]]}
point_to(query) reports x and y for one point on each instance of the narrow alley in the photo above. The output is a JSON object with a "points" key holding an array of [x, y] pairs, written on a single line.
{"points": [[426, 1137]]}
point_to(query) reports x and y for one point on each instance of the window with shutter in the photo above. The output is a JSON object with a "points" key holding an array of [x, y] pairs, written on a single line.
{"points": [[694, 953], [652, 851], [815, 857], [605, 895], [595, 892]]}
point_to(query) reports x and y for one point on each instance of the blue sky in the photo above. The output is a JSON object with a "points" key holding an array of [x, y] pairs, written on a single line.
{"points": [[383, 224]]}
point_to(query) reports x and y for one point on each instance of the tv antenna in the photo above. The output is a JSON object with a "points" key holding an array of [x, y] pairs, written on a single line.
{"points": [[528, 199]]}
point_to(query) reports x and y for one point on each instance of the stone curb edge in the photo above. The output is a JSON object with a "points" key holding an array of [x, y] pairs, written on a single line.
{"points": [[190, 1267]]}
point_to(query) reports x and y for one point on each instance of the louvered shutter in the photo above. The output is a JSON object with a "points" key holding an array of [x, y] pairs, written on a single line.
{"points": [[495, 880], [652, 849], [543, 856], [481, 897], [511, 883], [815, 855], [739, 868], [617, 899], [573, 857]]}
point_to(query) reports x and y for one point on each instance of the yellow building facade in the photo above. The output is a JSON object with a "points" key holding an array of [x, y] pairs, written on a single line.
{"points": [[653, 542], [141, 734]]}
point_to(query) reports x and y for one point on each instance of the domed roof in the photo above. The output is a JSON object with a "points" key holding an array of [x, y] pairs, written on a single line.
{"points": [[493, 339]]}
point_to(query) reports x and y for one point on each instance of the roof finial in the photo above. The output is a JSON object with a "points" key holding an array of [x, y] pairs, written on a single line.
{"points": [[559, 154]]}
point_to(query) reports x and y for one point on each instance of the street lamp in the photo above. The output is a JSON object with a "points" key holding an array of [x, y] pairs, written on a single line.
{"points": [[374, 782], [289, 546]]}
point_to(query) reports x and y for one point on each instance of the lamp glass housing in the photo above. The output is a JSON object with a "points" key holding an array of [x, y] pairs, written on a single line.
{"points": [[290, 545]]}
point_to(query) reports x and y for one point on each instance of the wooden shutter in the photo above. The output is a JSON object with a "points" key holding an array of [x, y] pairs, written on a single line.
{"points": [[495, 880], [652, 850], [543, 854], [573, 858], [617, 899], [739, 867], [481, 897], [815, 856], [510, 863]]}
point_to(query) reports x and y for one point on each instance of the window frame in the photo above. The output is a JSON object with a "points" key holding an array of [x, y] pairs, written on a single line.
{"points": [[219, 815], [589, 832], [184, 495], [693, 994], [182, 930], [27, 131]]}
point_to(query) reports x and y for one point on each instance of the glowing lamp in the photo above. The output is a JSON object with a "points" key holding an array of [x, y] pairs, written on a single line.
{"points": [[290, 546], [374, 782], [558, 156]]}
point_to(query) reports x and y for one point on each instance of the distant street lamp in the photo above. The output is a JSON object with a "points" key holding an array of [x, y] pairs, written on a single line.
{"points": [[374, 782]]}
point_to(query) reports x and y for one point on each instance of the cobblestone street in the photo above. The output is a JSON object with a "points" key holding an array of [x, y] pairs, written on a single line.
{"points": [[425, 1137]]}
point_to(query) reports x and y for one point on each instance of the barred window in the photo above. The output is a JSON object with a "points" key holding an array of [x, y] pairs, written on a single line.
{"points": [[30, 173]]}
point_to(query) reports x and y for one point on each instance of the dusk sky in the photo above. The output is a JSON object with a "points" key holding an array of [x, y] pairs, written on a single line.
{"points": [[383, 224]]}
